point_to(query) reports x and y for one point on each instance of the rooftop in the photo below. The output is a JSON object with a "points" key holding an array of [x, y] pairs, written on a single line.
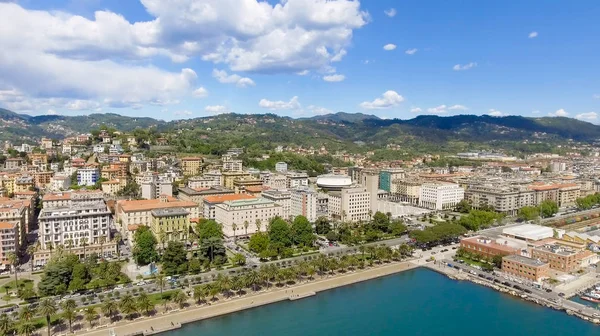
{"points": [[525, 260], [148, 205], [248, 202], [529, 231], [225, 198], [169, 212]]}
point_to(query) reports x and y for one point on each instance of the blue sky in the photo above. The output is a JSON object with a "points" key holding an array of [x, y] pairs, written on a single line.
{"points": [[191, 58]]}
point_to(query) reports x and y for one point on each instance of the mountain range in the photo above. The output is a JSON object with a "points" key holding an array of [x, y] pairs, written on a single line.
{"points": [[343, 129]]}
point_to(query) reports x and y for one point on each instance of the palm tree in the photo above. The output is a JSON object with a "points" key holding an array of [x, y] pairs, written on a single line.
{"points": [[6, 325], [252, 279], [83, 242], [234, 228], [160, 282], [90, 315], [127, 305], [109, 307], [68, 313], [162, 237], [69, 243], [213, 290], [101, 241], [246, 225], [31, 249], [26, 314], [13, 259], [47, 307], [180, 298], [258, 224], [117, 239], [211, 244], [144, 304], [224, 283], [199, 294], [26, 328]]}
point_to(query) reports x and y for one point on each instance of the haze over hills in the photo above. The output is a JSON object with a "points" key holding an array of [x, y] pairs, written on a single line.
{"points": [[338, 128]]}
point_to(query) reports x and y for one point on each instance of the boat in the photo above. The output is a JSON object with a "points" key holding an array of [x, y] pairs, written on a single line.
{"points": [[591, 299]]}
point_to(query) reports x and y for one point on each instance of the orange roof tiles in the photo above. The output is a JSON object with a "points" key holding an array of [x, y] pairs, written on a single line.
{"points": [[224, 198], [552, 186], [256, 188], [133, 227], [56, 197]]}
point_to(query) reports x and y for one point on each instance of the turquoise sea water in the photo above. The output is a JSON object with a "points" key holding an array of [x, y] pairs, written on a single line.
{"points": [[417, 302]]}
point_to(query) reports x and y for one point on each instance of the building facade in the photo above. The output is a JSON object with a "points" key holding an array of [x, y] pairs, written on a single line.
{"points": [[304, 203], [238, 214], [525, 268], [87, 176], [281, 197], [191, 165], [350, 204], [440, 195]]}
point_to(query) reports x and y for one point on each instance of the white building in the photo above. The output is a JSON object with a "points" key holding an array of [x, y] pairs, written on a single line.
{"points": [[276, 181], [296, 180], [154, 189], [246, 211], [232, 165], [281, 197], [304, 203], [281, 167], [99, 148], [87, 176], [81, 223], [203, 182], [351, 204], [440, 195], [60, 182]]}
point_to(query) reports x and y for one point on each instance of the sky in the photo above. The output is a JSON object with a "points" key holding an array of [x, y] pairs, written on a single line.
{"points": [[181, 59]]}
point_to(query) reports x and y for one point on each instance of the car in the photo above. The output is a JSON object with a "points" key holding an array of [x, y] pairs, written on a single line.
{"points": [[561, 294], [548, 290], [433, 252], [454, 247]]}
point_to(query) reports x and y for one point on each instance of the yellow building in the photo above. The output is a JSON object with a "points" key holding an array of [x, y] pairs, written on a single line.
{"points": [[230, 177], [191, 165], [171, 224], [8, 183], [23, 183]]}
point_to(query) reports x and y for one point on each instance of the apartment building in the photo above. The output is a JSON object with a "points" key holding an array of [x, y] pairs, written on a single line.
{"points": [[281, 167], [351, 204], [154, 189], [440, 195], [304, 203], [563, 194], [113, 187], [43, 178], [281, 197], [275, 181], [525, 268], [486, 247], [504, 199], [80, 222], [559, 257], [9, 241], [13, 163], [232, 165], [170, 224], [60, 182], [235, 214], [139, 212], [197, 195], [407, 190], [24, 183], [87, 176], [209, 203], [230, 177], [240, 185], [191, 165], [387, 176], [17, 212], [296, 180], [198, 182]]}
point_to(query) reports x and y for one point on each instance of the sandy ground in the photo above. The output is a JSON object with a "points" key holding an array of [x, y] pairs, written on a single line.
{"points": [[175, 319]]}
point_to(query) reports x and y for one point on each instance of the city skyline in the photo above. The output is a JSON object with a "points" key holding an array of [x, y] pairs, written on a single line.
{"points": [[199, 58]]}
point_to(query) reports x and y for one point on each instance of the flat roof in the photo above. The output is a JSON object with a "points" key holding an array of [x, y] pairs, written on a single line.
{"points": [[225, 198], [525, 260], [529, 231], [147, 205], [169, 212]]}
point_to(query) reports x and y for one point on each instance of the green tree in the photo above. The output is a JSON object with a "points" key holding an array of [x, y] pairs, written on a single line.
{"points": [[68, 312], [302, 232], [13, 260], [463, 206], [180, 298], [90, 315], [128, 306], [206, 229], [397, 228], [144, 304], [238, 259], [548, 208], [46, 308], [259, 242], [6, 325], [144, 251], [212, 248], [174, 258], [280, 234], [529, 213], [380, 222], [322, 225], [26, 328]]}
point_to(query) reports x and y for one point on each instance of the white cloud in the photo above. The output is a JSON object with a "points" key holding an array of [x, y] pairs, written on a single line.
{"points": [[390, 12], [334, 78], [55, 54], [318, 110], [495, 113], [467, 66], [51, 112], [416, 110], [183, 113], [389, 47], [458, 108], [588, 116], [533, 34], [559, 113], [222, 77], [411, 51], [293, 104], [216, 109], [438, 109], [387, 100], [200, 92], [302, 73]]}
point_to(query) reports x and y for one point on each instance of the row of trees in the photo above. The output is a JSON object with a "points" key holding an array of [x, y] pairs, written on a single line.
{"points": [[587, 202], [281, 236], [546, 209], [379, 226], [440, 233]]}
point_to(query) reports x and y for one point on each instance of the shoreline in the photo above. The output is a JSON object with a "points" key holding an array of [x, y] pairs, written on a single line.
{"points": [[176, 318]]}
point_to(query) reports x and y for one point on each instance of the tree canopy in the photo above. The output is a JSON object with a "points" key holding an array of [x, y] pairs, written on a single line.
{"points": [[144, 251]]}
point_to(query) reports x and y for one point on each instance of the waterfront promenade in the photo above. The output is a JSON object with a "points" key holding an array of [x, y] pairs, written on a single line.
{"points": [[174, 319]]}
